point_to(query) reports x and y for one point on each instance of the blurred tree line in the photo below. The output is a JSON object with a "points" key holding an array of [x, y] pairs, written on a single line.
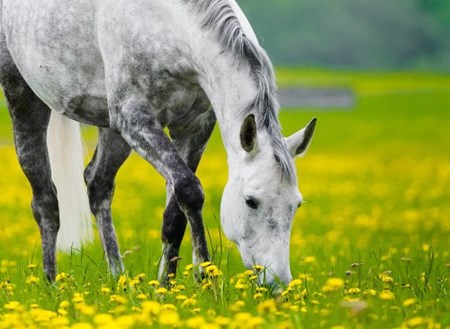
{"points": [[381, 34]]}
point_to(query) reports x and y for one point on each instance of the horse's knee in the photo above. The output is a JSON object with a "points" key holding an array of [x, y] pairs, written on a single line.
{"points": [[174, 223], [189, 193], [45, 206], [99, 194]]}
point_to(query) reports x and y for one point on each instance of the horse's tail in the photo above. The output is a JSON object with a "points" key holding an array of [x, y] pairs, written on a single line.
{"points": [[66, 153]]}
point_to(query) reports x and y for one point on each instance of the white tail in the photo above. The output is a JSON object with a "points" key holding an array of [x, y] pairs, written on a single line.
{"points": [[66, 153]]}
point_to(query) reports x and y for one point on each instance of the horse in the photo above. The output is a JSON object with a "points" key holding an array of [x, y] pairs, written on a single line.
{"points": [[133, 68]]}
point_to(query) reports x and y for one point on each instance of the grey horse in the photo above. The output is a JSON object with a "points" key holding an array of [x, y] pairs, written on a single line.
{"points": [[133, 68]]}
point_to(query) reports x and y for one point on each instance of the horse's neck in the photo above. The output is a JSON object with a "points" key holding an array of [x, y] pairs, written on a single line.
{"points": [[230, 88]]}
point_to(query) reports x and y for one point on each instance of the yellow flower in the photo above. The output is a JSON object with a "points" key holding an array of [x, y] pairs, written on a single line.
{"points": [[124, 321], [267, 307], [64, 304], [386, 295], [82, 325], [205, 264], [32, 279], [142, 296], [409, 302], [258, 268], [85, 309], [77, 298], [61, 276], [103, 319], [154, 283], [258, 296], [309, 260], [118, 299], [105, 290], [169, 318], [31, 266], [213, 271], [140, 277], [222, 321], [151, 307], [195, 322], [13, 306], [189, 302], [237, 306], [210, 326], [161, 291], [333, 284], [415, 322], [354, 291]]}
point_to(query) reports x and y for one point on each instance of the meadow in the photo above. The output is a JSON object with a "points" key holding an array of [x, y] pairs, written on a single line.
{"points": [[370, 247]]}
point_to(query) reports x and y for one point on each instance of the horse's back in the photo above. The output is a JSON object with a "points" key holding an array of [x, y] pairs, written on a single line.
{"points": [[53, 43]]}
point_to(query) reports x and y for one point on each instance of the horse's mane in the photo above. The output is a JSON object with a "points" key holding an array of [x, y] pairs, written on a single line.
{"points": [[219, 16]]}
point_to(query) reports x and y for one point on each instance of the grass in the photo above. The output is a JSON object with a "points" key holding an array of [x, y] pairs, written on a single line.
{"points": [[369, 249]]}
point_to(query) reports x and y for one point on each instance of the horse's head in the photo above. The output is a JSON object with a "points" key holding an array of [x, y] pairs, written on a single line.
{"points": [[258, 204]]}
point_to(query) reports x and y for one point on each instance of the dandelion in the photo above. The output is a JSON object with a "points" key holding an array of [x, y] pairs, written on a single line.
{"points": [[258, 268], [13, 306], [258, 296], [103, 319], [195, 322], [151, 307], [125, 321], [31, 266], [189, 302], [309, 260], [161, 291], [32, 279], [213, 271], [205, 264], [409, 302], [169, 318], [118, 299], [140, 277], [237, 306], [86, 309], [154, 283], [353, 291], [105, 291], [122, 282], [415, 322], [333, 284], [142, 296], [267, 307], [61, 277], [386, 295], [82, 325], [77, 298], [222, 321]]}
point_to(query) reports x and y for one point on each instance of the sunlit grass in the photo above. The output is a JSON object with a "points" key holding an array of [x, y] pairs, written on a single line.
{"points": [[369, 247]]}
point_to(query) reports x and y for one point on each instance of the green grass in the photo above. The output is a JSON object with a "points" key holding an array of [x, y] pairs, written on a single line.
{"points": [[370, 246]]}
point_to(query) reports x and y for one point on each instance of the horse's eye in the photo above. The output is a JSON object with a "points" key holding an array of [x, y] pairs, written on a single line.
{"points": [[251, 202]]}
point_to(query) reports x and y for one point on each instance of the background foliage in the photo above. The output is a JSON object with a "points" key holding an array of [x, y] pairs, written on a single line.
{"points": [[354, 33]]}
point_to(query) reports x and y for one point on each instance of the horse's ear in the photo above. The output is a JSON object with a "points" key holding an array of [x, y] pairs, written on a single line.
{"points": [[248, 133], [299, 142]]}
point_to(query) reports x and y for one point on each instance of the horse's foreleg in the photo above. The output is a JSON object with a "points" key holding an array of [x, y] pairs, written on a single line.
{"points": [[190, 143], [30, 117], [110, 154], [136, 124]]}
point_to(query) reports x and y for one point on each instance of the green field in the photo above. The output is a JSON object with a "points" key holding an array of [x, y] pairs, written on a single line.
{"points": [[370, 248]]}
